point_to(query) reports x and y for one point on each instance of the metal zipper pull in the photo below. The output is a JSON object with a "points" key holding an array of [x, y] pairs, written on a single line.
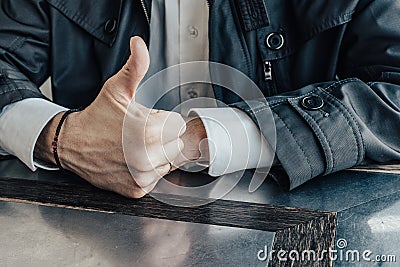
{"points": [[267, 71]]}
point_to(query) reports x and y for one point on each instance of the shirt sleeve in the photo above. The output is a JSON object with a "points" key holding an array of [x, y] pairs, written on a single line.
{"points": [[235, 142], [20, 126]]}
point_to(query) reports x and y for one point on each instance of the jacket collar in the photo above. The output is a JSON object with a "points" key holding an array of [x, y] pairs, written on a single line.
{"points": [[92, 15]]}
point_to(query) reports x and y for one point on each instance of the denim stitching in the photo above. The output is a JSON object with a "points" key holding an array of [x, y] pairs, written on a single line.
{"points": [[348, 122], [339, 83], [292, 134], [313, 123]]}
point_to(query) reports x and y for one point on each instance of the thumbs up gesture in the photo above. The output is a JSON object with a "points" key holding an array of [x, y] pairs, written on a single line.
{"points": [[91, 141]]}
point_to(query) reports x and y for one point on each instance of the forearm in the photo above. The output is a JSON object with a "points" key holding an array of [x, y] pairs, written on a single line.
{"points": [[24, 50], [356, 122]]}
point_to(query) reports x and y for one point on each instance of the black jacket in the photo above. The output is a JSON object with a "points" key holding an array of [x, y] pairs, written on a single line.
{"points": [[335, 67]]}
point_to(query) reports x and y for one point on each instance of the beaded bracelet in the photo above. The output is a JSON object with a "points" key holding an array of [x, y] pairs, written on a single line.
{"points": [[54, 144]]}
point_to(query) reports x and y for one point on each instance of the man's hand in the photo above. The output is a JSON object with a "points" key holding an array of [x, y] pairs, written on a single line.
{"points": [[195, 142], [90, 142]]}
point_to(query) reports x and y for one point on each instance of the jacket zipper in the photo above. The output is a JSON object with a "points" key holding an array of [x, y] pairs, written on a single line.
{"points": [[267, 71], [145, 11], [269, 78]]}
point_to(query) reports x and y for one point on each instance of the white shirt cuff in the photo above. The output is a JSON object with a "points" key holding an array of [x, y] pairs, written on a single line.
{"points": [[235, 142], [20, 126]]}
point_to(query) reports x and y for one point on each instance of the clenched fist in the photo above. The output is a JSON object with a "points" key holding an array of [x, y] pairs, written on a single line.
{"points": [[91, 141]]}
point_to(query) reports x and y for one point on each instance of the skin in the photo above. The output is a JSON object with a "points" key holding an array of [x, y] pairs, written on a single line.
{"points": [[90, 141]]}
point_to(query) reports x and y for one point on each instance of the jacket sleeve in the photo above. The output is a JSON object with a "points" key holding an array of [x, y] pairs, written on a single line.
{"points": [[24, 49], [327, 127]]}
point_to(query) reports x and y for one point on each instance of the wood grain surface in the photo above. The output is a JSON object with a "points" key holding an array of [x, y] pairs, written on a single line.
{"points": [[295, 228]]}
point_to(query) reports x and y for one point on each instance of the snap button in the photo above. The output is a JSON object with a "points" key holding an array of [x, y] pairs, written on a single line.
{"points": [[275, 41], [312, 102], [110, 25]]}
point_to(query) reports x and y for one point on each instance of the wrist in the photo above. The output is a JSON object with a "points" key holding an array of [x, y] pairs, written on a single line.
{"points": [[195, 140], [50, 139], [43, 147]]}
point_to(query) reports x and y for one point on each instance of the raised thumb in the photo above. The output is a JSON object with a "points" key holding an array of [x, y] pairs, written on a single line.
{"points": [[131, 74]]}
